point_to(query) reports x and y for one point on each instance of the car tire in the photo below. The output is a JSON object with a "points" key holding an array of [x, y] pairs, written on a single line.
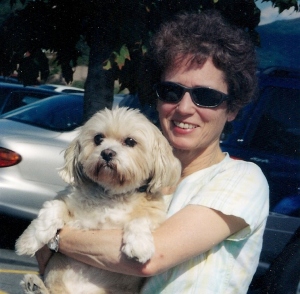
{"points": [[283, 276]]}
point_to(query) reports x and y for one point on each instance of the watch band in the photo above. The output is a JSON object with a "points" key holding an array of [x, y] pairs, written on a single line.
{"points": [[53, 244]]}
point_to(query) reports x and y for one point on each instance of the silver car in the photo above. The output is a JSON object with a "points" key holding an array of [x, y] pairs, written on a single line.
{"points": [[32, 143]]}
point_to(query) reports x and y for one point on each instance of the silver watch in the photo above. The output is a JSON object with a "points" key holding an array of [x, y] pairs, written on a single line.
{"points": [[54, 243]]}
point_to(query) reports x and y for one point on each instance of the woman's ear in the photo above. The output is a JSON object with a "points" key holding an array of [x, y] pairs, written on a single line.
{"points": [[231, 115]]}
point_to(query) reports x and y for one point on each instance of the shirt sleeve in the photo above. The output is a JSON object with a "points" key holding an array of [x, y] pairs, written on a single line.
{"points": [[240, 190]]}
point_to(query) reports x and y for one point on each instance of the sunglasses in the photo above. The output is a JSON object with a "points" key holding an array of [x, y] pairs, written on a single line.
{"points": [[202, 96]]}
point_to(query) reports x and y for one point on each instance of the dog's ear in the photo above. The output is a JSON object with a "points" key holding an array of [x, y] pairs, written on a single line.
{"points": [[69, 172], [167, 168]]}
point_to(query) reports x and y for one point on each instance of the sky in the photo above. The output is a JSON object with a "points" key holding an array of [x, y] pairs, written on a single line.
{"points": [[270, 14]]}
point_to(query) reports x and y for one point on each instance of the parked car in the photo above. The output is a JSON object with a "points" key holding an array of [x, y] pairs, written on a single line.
{"points": [[31, 145], [149, 110], [9, 79], [68, 89], [61, 88], [32, 142], [13, 96], [267, 132]]}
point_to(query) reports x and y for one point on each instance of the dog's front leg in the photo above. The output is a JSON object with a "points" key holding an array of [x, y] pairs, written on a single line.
{"points": [[138, 240], [32, 284], [51, 218]]}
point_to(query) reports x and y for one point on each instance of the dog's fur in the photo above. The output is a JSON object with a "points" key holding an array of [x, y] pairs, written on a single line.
{"points": [[116, 168]]}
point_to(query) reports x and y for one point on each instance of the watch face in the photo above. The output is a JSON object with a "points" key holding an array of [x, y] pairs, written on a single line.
{"points": [[53, 243]]}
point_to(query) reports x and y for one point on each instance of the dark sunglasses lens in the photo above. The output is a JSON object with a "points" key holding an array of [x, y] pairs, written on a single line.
{"points": [[169, 93], [207, 97]]}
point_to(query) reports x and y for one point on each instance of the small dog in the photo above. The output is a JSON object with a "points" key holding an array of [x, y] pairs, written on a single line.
{"points": [[116, 168]]}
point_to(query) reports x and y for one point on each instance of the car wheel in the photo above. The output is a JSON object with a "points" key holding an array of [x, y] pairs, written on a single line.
{"points": [[283, 276]]}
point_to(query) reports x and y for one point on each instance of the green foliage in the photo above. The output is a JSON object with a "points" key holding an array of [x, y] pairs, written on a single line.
{"points": [[54, 67], [6, 9], [78, 84], [84, 51], [112, 33], [66, 26]]}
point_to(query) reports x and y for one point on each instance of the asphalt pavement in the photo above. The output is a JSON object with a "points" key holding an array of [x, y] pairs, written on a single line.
{"points": [[12, 269]]}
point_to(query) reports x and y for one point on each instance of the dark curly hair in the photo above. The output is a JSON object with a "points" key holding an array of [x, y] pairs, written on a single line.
{"points": [[203, 35]]}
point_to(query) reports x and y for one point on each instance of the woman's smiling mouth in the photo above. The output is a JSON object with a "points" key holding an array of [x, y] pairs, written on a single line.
{"points": [[184, 125]]}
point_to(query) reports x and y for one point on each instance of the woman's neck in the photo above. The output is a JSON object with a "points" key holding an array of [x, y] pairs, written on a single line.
{"points": [[192, 162]]}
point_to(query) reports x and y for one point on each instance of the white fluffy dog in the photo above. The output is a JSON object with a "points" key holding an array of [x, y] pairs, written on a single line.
{"points": [[116, 168]]}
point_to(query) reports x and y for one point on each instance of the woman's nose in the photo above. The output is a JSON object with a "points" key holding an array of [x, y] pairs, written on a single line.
{"points": [[186, 105]]}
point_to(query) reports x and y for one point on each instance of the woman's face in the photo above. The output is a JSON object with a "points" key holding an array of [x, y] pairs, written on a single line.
{"points": [[187, 126]]}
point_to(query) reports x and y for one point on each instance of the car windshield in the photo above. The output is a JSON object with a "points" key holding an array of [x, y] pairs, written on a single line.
{"points": [[58, 113], [279, 125]]}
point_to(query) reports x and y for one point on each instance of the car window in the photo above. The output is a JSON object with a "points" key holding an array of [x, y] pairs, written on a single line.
{"points": [[48, 87], [3, 94], [29, 99], [279, 127], [71, 91], [2, 99], [18, 99], [57, 113]]}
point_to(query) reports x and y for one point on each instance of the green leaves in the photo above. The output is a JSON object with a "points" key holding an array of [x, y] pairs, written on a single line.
{"points": [[119, 31]]}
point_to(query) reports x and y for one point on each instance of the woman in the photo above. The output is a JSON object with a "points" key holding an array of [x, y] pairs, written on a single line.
{"points": [[212, 238]]}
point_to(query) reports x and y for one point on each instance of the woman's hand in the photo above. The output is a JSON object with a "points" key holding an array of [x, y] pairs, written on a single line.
{"points": [[42, 256]]}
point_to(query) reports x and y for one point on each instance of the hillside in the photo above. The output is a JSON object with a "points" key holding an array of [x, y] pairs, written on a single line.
{"points": [[280, 44]]}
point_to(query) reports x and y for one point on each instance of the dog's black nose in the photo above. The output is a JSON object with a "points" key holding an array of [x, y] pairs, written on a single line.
{"points": [[108, 154]]}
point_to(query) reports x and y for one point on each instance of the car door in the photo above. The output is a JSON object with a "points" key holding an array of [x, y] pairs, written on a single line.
{"points": [[277, 140], [269, 135]]}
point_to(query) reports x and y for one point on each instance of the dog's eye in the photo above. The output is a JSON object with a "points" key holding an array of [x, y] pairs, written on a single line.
{"points": [[130, 142], [98, 139]]}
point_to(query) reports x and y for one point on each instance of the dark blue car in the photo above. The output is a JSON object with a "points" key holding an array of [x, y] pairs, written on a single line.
{"points": [[13, 96], [268, 133]]}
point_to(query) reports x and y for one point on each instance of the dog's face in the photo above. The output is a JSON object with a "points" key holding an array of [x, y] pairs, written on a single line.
{"points": [[121, 151]]}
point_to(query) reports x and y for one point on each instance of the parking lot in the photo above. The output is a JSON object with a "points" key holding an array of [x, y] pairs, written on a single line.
{"points": [[12, 266], [12, 269]]}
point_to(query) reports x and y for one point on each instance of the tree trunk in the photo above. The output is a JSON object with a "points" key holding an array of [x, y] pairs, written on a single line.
{"points": [[99, 85]]}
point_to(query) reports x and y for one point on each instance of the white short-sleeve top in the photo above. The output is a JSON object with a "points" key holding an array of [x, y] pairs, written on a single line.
{"points": [[234, 187]]}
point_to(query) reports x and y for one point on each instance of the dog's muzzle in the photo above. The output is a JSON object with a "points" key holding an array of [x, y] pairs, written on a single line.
{"points": [[108, 154]]}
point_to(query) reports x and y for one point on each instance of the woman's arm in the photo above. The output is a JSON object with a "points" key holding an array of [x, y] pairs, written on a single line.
{"points": [[190, 232]]}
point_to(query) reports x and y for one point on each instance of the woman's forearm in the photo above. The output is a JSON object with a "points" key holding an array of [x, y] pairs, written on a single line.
{"points": [[101, 249], [179, 238]]}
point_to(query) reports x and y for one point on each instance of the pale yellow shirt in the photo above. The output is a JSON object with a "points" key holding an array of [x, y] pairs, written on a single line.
{"points": [[233, 187]]}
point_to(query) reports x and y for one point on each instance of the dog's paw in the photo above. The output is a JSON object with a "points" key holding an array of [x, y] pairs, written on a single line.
{"points": [[32, 284], [27, 244], [31, 240], [51, 218], [138, 240]]}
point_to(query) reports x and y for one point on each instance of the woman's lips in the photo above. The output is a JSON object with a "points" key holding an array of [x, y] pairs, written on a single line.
{"points": [[183, 125]]}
